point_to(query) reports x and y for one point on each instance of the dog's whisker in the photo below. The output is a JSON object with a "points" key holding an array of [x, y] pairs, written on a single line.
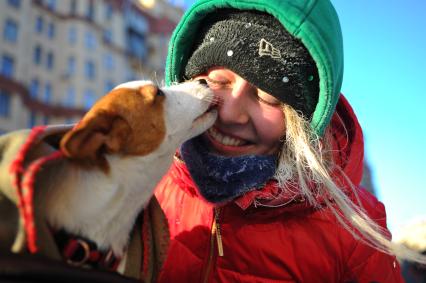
{"points": [[155, 78], [160, 82], [213, 99]]}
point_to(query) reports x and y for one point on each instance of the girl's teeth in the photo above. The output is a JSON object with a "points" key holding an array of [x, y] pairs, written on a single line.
{"points": [[225, 140]]}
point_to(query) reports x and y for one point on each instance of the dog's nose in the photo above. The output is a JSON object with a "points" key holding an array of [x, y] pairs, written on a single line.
{"points": [[203, 81]]}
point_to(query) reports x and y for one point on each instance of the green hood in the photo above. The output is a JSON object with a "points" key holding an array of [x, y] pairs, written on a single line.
{"points": [[314, 22]]}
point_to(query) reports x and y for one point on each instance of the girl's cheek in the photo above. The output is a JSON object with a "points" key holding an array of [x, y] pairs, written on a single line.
{"points": [[270, 124]]}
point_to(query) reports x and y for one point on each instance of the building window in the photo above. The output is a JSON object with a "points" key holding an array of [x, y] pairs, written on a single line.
{"points": [[108, 11], [72, 35], [4, 104], [109, 63], [34, 85], [89, 98], [51, 30], [47, 93], [90, 40], [137, 22], [7, 66], [14, 3], [10, 32], [51, 4], [70, 97], [136, 44], [109, 85], [89, 69], [39, 24], [73, 7], [37, 55], [50, 60], [107, 36], [32, 119], [71, 66], [90, 12]]}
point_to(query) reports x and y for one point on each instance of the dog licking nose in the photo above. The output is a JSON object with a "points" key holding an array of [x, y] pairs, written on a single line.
{"points": [[135, 117]]}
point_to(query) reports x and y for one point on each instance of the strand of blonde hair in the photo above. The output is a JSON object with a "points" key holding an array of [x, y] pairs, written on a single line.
{"points": [[308, 159]]}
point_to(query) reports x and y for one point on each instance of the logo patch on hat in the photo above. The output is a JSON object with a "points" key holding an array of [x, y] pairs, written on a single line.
{"points": [[267, 49]]}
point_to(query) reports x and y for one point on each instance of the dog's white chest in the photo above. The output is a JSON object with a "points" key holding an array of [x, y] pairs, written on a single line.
{"points": [[103, 207]]}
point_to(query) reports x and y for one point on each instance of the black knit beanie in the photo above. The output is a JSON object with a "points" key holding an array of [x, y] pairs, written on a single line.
{"points": [[257, 47]]}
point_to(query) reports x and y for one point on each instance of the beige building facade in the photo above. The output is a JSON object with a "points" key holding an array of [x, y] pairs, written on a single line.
{"points": [[57, 57]]}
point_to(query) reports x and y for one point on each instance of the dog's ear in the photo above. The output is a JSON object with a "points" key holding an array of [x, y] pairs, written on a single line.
{"points": [[150, 92], [93, 137]]}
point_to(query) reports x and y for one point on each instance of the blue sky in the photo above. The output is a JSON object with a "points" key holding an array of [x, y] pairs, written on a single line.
{"points": [[385, 78]]}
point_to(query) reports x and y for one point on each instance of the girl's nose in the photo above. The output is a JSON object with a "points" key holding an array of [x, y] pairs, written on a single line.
{"points": [[234, 107]]}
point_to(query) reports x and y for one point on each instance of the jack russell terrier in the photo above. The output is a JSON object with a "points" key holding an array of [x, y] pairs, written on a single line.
{"points": [[110, 162]]}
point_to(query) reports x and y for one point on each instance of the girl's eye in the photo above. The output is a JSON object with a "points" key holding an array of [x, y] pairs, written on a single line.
{"points": [[268, 99], [214, 84]]}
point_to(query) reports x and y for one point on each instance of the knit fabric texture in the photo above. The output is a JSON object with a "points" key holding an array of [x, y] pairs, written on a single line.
{"points": [[257, 47], [219, 178]]}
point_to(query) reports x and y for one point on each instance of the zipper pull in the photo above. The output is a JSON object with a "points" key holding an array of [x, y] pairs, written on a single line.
{"points": [[218, 233]]}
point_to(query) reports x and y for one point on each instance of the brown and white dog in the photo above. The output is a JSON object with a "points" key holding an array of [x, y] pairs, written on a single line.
{"points": [[119, 152]]}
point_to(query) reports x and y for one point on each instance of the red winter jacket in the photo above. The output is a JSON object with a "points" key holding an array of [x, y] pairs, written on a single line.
{"points": [[244, 242]]}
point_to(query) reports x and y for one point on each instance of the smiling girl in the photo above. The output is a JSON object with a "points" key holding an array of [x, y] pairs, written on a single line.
{"points": [[271, 193], [250, 120]]}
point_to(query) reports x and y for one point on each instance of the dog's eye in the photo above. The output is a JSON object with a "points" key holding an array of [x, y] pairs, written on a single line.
{"points": [[160, 93], [203, 82]]}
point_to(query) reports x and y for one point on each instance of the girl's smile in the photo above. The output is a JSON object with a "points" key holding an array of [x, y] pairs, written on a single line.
{"points": [[250, 121]]}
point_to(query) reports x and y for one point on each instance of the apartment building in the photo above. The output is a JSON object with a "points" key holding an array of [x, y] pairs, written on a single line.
{"points": [[57, 57]]}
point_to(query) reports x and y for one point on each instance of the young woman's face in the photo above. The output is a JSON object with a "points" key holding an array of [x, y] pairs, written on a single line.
{"points": [[250, 121]]}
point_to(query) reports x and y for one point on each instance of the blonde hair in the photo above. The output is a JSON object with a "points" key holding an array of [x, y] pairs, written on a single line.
{"points": [[306, 158]]}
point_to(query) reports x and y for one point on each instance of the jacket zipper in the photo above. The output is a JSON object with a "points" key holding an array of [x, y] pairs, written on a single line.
{"points": [[218, 232], [215, 233]]}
